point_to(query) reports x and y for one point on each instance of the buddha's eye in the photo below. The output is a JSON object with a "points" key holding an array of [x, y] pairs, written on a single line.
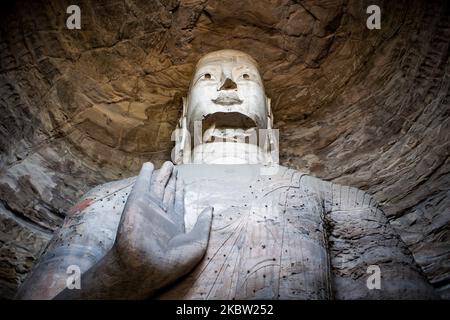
{"points": [[207, 76], [246, 76]]}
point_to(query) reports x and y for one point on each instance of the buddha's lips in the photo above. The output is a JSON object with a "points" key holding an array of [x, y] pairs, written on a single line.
{"points": [[227, 99]]}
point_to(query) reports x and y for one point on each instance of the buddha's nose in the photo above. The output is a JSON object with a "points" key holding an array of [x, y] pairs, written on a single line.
{"points": [[228, 84]]}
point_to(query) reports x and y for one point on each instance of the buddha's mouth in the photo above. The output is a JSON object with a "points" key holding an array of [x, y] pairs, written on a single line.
{"points": [[227, 99], [228, 126], [228, 120]]}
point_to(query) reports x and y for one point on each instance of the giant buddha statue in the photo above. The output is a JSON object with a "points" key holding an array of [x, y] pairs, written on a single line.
{"points": [[223, 220]]}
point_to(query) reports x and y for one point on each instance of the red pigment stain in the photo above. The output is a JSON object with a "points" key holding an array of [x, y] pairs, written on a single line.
{"points": [[81, 206]]}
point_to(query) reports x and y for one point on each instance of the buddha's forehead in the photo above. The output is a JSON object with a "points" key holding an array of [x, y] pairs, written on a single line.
{"points": [[226, 59]]}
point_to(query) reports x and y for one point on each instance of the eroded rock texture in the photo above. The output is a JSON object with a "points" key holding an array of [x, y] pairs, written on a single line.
{"points": [[364, 108]]}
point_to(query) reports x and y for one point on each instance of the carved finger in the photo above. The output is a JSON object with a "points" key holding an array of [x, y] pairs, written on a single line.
{"points": [[132, 220], [169, 192], [143, 181], [162, 177], [177, 212], [187, 249], [200, 232]]}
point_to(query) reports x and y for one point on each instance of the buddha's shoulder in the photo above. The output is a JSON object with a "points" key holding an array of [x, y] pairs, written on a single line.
{"points": [[336, 196], [299, 177]]}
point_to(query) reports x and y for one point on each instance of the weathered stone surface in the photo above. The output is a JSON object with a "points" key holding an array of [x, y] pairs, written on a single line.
{"points": [[364, 108], [20, 244]]}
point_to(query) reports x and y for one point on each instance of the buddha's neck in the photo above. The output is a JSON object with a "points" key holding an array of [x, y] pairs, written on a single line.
{"points": [[228, 153], [229, 146]]}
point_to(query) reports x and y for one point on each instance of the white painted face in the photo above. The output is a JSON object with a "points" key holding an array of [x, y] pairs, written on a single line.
{"points": [[227, 92]]}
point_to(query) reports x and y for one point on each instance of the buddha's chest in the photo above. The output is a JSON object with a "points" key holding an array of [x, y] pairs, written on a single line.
{"points": [[266, 241]]}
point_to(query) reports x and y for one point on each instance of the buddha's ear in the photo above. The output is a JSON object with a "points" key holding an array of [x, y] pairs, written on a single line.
{"points": [[269, 113], [181, 151], [184, 101], [183, 111]]}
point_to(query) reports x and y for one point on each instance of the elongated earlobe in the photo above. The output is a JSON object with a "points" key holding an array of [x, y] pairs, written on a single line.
{"points": [[181, 137], [269, 113]]}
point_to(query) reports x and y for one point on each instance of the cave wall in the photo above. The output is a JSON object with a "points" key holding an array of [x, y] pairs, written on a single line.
{"points": [[367, 108]]}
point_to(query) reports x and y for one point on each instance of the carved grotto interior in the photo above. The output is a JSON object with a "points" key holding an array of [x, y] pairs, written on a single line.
{"points": [[366, 108]]}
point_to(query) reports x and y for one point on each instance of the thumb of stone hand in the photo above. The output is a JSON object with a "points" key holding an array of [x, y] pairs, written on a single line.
{"points": [[185, 250]]}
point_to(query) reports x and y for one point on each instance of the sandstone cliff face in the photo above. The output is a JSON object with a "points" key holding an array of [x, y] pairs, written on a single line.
{"points": [[364, 108]]}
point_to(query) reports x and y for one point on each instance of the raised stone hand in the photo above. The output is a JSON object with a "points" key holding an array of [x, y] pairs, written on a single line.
{"points": [[151, 248], [151, 232]]}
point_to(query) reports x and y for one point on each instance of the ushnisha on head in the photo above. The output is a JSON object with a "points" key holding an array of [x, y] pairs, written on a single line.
{"points": [[226, 100]]}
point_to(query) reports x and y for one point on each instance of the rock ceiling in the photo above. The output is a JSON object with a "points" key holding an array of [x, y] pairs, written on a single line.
{"points": [[368, 108]]}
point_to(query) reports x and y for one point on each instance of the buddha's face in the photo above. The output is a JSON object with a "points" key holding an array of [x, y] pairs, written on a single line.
{"points": [[227, 92]]}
